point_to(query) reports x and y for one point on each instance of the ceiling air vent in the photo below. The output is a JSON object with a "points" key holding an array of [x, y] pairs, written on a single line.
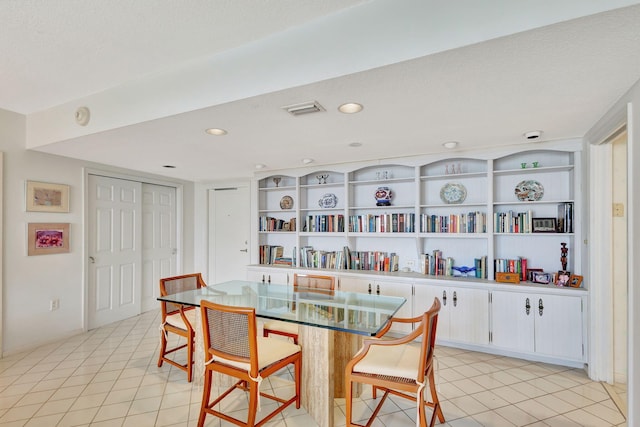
{"points": [[304, 108]]}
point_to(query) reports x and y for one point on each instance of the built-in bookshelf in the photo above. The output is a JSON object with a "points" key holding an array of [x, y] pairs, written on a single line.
{"points": [[476, 212]]}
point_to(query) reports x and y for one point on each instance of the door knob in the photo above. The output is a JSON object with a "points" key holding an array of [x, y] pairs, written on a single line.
{"points": [[243, 250], [92, 260]]}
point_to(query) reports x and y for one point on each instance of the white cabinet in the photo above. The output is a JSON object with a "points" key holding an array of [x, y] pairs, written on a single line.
{"points": [[269, 275], [464, 312], [383, 287], [548, 325]]}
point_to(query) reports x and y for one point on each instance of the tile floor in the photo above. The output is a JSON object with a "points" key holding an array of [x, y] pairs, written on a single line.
{"points": [[108, 377]]}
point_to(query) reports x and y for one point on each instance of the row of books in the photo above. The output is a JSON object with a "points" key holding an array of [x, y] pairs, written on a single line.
{"points": [[565, 217], [270, 253], [348, 260], [269, 223], [472, 222], [384, 223], [515, 265], [512, 222], [324, 223]]}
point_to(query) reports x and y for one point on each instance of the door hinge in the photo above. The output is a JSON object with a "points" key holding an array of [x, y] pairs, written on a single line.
{"points": [[490, 336]]}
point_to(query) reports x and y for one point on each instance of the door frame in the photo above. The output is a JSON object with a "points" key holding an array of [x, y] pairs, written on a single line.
{"points": [[85, 219]]}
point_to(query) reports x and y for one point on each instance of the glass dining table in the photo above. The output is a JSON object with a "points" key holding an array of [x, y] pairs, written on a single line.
{"points": [[331, 326]]}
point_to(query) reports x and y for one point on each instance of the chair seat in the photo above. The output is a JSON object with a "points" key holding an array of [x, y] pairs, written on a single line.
{"points": [[393, 361], [270, 350], [176, 320], [279, 325]]}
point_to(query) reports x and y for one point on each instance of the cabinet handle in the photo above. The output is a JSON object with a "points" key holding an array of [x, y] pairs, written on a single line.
{"points": [[455, 299], [527, 306], [540, 307], [444, 297], [369, 288], [377, 289], [263, 278], [269, 279]]}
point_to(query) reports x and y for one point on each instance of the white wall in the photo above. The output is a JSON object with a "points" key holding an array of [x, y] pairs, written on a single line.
{"points": [[30, 282]]}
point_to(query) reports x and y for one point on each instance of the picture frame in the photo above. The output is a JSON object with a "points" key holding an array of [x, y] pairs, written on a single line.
{"points": [[562, 278], [47, 238], [543, 225], [530, 272], [46, 197], [575, 281], [541, 277]]}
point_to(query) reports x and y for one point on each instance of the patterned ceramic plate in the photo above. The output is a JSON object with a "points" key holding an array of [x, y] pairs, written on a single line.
{"points": [[453, 193], [529, 191], [286, 202], [328, 201]]}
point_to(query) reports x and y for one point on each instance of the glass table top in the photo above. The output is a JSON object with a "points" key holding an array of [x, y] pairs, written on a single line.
{"points": [[353, 312]]}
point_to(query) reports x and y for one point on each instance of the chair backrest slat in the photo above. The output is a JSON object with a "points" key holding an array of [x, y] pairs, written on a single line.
{"points": [[429, 325], [176, 284]]}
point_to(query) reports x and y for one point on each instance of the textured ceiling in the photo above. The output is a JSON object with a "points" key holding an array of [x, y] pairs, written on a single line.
{"points": [[560, 78]]}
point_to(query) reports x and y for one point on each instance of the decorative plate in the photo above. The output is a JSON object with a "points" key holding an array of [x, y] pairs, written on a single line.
{"points": [[286, 202], [328, 201], [453, 193], [529, 191]]}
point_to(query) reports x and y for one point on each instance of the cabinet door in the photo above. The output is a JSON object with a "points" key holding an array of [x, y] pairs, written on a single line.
{"points": [[422, 301], [269, 276], [469, 315], [558, 326], [355, 284], [512, 321]]}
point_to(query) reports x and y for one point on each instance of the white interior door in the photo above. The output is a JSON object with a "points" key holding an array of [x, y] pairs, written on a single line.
{"points": [[159, 248], [229, 233], [115, 255]]}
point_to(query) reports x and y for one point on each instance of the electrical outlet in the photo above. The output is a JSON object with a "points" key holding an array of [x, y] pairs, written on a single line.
{"points": [[411, 263], [54, 304], [618, 209]]}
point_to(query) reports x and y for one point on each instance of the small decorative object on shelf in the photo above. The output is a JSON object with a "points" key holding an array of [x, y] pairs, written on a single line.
{"points": [[277, 180], [563, 255], [322, 178], [286, 202], [328, 201], [523, 165], [575, 281], [535, 164], [383, 196], [529, 191], [562, 278], [453, 193], [459, 170]]}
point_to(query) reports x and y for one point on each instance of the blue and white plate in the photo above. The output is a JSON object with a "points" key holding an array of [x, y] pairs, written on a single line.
{"points": [[453, 193], [328, 201]]}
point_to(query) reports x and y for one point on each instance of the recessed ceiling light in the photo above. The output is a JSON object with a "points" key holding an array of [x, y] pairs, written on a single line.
{"points": [[260, 166], [534, 134], [350, 108], [450, 144], [355, 144], [216, 131], [169, 166], [307, 161]]}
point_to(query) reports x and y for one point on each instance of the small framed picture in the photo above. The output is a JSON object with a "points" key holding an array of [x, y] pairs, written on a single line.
{"points": [[47, 238], [530, 272], [541, 277], [543, 225], [47, 197], [575, 281], [562, 278]]}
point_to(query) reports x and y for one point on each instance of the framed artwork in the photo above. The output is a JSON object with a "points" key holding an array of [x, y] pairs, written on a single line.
{"points": [[530, 272], [543, 225], [562, 278], [45, 238], [540, 277], [47, 197], [575, 281]]}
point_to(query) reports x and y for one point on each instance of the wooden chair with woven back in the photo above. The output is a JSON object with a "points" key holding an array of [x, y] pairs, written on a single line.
{"points": [[232, 348], [179, 320], [399, 366]]}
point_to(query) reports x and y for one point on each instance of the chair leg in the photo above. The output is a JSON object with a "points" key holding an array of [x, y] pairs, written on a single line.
{"points": [[348, 395], [163, 347], [190, 357], [253, 403], [437, 410], [298, 379], [206, 391]]}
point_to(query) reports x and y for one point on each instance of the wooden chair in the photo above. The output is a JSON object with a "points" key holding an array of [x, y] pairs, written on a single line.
{"points": [[309, 282], [232, 348], [398, 366], [178, 319]]}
